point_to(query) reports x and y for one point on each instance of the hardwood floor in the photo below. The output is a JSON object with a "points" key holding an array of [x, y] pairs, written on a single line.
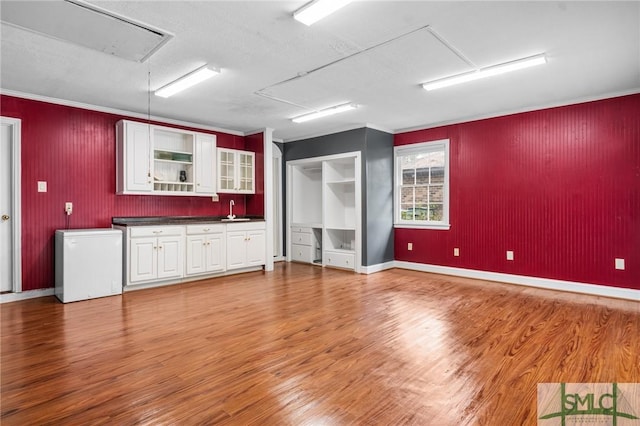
{"points": [[309, 346]]}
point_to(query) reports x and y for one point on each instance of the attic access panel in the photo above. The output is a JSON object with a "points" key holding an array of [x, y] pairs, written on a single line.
{"points": [[86, 25]]}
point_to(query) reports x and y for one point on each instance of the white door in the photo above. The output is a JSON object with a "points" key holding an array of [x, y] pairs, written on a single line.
{"points": [[236, 249], [196, 248], [205, 163], [144, 259], [170, 257], [6, 234], [256, 242], [10, 271], [138, 151], [215, 253]]}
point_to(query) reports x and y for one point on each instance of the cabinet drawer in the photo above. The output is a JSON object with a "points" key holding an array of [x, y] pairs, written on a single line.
{"points": [[155, 231], [246, 226], [301, 253], [300, 238], [340, 260], [301, 229], [205, 229]]}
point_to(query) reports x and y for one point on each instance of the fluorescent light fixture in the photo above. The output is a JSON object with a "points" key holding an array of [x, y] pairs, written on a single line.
{"points": [[186, 81], [487, 72], [324, 113], [316, 10]]}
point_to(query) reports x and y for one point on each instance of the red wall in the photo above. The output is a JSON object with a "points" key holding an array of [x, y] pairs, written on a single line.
{"points": [[73, 150], [560, 187]]}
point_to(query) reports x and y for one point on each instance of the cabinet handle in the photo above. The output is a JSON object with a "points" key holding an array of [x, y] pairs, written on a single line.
{"points": [[157, 232], [206, 229], [160, 247], [155, 247]]}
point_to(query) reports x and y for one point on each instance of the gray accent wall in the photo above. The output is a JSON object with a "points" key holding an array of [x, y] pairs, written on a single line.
{"points": [[376, 149], [378, 182]]}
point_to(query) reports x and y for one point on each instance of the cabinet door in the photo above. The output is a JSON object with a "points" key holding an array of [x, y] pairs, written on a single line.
{"points": [[246, 172], [236, 249], [215, 253], [170, 257], [256, 245], [226, 170], [205, 163], [137, 158], [143, 261], [196, 254]]}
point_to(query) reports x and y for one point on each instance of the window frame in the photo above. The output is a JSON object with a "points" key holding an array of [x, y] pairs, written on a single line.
{"points": [[423, 148]]}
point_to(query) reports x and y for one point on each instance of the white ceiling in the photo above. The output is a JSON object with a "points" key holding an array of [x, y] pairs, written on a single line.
{"points": [[372, 53]]}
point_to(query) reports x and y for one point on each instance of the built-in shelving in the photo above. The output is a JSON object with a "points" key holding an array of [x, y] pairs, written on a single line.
{"points": [[324, 199], [161, 160]]}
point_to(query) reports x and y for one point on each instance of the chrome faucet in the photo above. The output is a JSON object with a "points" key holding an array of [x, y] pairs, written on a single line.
{"points": [[231, 215]]}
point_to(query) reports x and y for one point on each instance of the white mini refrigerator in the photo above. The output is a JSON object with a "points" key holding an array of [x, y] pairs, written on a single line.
{"points": [[88, 263]]}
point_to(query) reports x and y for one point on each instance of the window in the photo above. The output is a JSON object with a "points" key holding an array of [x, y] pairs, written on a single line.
{"points": [[422, 185]]}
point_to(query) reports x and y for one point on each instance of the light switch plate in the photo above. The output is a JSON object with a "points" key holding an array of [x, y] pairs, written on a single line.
{"points": [[456, 251], [620, 264], [509, 255], [42, 186], [409, 246]]}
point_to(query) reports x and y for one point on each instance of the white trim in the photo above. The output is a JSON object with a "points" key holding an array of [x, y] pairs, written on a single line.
{"points": [[121, 112], [277, 155], [441, 226], [420, 147], [268, 196], [547, 283], [377, 267], [29, 294], [16, 203]]}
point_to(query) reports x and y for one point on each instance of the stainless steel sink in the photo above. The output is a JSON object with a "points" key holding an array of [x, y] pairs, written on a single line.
{"points": [[237, 219]]}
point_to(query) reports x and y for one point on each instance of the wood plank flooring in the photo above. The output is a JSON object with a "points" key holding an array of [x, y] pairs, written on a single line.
{"points": [[305, 345]]}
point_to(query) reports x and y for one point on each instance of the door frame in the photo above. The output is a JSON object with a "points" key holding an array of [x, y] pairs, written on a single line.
{"points": [[15, 124], [277, 191]]}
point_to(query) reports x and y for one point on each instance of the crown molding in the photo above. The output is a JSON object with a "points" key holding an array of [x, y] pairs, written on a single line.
{"points": [[116, 111]]}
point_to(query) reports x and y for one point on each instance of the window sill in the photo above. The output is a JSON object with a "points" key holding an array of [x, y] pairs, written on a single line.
{"points": [[441, 227]]}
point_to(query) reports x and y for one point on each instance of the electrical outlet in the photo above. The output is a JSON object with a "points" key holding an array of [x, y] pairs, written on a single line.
{"points": [[42, 186], [619, 264], [409, 246], [456, 251], [215, 198], [68, 207], [509, 255]]}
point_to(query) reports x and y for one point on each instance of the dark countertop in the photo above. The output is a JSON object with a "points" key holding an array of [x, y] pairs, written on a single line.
{"points": [[175, 220]]}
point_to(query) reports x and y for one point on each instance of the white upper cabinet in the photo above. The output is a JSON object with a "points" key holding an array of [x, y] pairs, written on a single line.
{"points": [[164, 161], [236, 171], [205, 164], [133, 166]]}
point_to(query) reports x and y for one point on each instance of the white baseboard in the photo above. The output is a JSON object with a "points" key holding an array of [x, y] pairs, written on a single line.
{"points": [[377, 267], [24, 295], [551, 284]]}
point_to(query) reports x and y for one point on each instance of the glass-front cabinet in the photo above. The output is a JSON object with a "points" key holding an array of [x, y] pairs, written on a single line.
{"points": [[236, 171]]}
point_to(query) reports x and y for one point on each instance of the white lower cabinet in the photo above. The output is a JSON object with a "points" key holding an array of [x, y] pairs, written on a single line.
{"points": [[170, 254], [340, 259], [155, 253], [246, 244], [206, 251]]}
